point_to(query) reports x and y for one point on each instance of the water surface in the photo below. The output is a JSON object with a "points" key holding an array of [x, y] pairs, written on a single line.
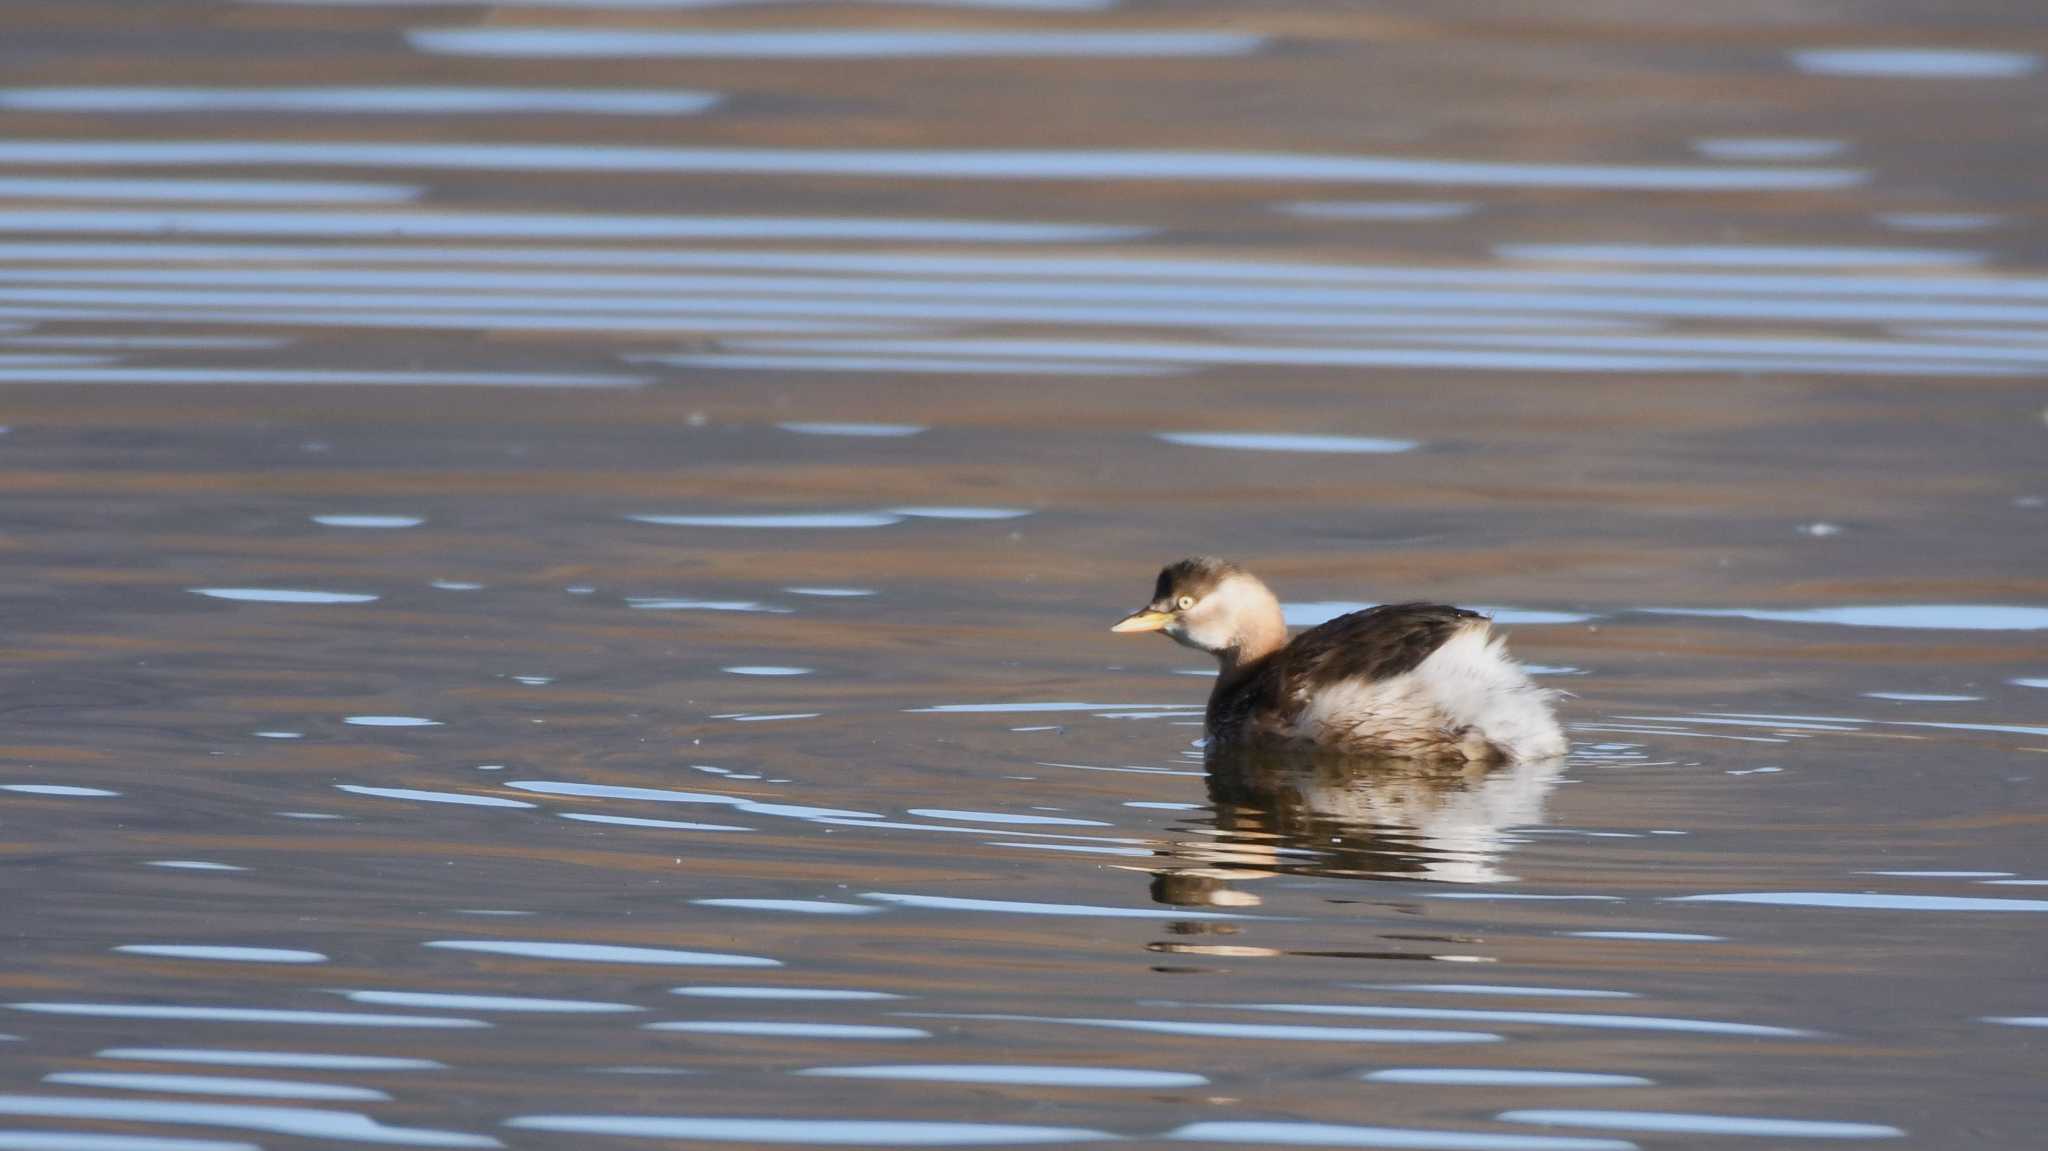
{"points": [[560, 557]]}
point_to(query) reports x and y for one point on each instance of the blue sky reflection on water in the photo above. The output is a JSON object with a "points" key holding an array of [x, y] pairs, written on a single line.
{"points": [[562, 553]]}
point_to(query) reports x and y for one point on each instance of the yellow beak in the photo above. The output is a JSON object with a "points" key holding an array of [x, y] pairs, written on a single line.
{"points": [[1144, 619]]}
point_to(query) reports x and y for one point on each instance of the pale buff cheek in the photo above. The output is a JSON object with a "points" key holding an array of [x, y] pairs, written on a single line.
{"points": [[1205, 629]]}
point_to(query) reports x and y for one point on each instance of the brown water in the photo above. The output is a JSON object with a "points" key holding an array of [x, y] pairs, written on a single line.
{"points": [[696, 769]]}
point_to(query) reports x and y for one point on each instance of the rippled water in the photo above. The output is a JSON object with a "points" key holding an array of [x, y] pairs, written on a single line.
{"points": [[561, 555]]}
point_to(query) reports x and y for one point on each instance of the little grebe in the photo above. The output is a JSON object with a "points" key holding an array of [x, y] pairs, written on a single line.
{"points": [[1410, 680]]}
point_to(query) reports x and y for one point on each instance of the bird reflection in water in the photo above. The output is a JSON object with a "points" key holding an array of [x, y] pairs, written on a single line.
{"points": [[1321, 813]]}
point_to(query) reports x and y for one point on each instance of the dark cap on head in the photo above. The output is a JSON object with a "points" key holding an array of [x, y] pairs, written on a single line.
{"points": [[1195, 576]]}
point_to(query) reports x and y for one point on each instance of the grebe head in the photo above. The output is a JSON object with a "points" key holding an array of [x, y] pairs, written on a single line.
{"points": [[1212, 605]]}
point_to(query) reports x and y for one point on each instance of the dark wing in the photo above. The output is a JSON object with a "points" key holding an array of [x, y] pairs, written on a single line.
{"points": [[1378, 643], [1375, 644]]}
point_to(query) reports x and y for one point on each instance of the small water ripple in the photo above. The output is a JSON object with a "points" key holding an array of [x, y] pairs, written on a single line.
{"points": [[1671, 1122], [302, 1122], [789, 1029], [245, 1015], [1013, 1074], [1021, 907], [1267, 1133], [810, 1132], [514, 1003], [1615, 1022], [601, 953], [1868, 901], [215, 1085], [1500, 1077], [1212, 1030], [316, 1061], [228, 954]]}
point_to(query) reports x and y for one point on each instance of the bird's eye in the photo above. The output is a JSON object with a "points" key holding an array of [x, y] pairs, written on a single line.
{"points": [[1185, 602]]}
